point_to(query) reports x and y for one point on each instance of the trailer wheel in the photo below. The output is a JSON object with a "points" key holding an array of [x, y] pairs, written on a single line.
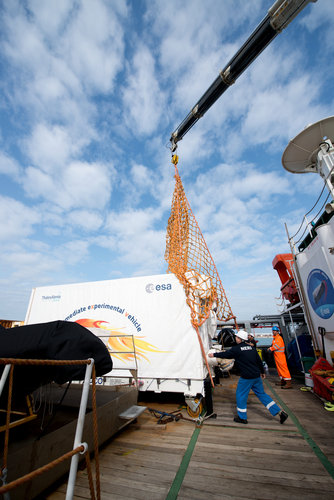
{"points": [[195, 414]]}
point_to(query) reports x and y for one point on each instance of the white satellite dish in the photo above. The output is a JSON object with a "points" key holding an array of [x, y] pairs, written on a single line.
{"points": [[301, 153]]}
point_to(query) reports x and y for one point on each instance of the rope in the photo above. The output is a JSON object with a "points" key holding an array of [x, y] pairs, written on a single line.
{"points": [[41, 470], [204, 355], [14, 361], [96, 440], [90, 476]]}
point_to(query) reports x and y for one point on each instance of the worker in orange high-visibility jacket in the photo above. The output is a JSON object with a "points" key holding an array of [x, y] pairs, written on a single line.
{"points": [[278, 348]]}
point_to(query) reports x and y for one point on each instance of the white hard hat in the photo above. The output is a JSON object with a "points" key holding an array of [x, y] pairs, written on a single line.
{"points": [[252, 334], [242, 335]]}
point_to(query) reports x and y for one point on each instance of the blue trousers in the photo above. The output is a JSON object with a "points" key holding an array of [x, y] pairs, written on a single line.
{"points": [[244, 386]]}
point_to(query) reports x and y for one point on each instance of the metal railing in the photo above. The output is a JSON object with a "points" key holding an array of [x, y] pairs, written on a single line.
{"points": [[133, 371], [79, 447]]}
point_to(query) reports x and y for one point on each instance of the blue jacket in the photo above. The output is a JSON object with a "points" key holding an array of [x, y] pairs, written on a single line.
{"points": [[247, 359]]}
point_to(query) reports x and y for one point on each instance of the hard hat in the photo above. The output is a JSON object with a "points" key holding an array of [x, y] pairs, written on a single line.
{"points": [[275, 329], [252, 334], [242, 335]]}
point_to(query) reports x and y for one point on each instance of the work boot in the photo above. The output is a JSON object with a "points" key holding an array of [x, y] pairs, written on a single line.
{"points": [[283, 416], [240, 420], [287, 385], [281, 383]]}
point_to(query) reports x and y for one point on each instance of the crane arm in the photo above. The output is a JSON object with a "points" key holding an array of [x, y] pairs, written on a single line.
{"points": [[280, 14]]}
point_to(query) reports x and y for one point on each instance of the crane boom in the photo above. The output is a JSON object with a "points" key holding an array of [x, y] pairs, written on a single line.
{"points": [[280, 14]]}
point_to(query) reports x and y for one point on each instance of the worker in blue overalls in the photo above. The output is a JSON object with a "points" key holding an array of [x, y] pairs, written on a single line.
{"points": [[249, 363]]}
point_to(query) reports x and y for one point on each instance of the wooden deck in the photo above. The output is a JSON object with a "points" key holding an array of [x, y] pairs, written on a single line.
{"points": [[221, 459]]}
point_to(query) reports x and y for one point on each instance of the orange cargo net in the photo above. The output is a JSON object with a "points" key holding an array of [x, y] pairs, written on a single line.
{"points": [[189, 259]]}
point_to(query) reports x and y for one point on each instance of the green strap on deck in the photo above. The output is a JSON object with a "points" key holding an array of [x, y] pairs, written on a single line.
{"points": [[319, 453], [178, 480], [177, 483]]}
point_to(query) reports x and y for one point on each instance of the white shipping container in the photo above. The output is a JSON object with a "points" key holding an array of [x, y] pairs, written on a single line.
{"points": [[145, 323]]}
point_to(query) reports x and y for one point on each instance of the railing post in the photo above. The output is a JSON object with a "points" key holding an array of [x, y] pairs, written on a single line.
{"points": [[4, 377], [79, 430]]}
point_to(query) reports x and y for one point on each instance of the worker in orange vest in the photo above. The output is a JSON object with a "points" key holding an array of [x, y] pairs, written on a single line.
{"points": [[277, 347]]}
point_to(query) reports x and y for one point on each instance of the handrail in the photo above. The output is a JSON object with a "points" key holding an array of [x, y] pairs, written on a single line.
{"points": [[78, 446], [125, 352]]}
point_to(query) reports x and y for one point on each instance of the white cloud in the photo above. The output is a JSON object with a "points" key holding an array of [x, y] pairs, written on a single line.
{"points": [[270, 113], [254, 294], [80, 185], [50, 148], [138, 185], [143, 101], [146, 254], [17, 220], [93, 46], [74, 252], [61, 62], [141, 176], [87, 185], [87, 36], [23, 45], [38, 184], [26, 265], [85, 219], [9, 166], [51, 16], [317, 16], [225, 184], [196, 29], [131, 223], [91, 93], [136, 239]]}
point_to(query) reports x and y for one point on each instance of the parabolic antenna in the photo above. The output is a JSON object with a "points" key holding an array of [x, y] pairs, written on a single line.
{"points": [[301, 153]]}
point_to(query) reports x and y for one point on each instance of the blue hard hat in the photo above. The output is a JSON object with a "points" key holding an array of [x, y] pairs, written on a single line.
{"points": [[275, 328]]}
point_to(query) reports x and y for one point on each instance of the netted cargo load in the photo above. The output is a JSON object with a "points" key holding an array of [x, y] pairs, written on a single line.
{"points": [[189, 259]]}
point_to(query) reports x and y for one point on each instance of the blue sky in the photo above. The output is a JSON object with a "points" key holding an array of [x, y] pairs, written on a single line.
{"points": [[90, 94]]}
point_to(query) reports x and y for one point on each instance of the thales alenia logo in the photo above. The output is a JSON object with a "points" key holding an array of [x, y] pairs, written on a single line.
{"points": [[150, 288], [53, 298]]}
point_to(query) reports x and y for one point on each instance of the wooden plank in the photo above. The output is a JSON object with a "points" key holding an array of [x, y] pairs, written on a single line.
{"points": [[282, 464], [274, 454], [245, 490], [139, 463], [258, 439], [211, 496], [140, 490], [214, 470], [263, 460], [258, 476]]}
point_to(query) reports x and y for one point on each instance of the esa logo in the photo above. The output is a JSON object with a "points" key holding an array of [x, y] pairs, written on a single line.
{"points": [[164, 286]]}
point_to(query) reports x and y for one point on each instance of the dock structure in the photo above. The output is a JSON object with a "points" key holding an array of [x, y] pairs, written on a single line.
{"points": [[221, 459]]}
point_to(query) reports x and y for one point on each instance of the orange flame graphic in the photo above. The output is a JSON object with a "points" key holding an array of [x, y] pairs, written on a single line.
{"points": [[122, 346], [92, 323]]}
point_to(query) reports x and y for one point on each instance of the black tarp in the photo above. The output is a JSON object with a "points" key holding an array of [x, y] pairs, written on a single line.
{"points": [[57, 340]]}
